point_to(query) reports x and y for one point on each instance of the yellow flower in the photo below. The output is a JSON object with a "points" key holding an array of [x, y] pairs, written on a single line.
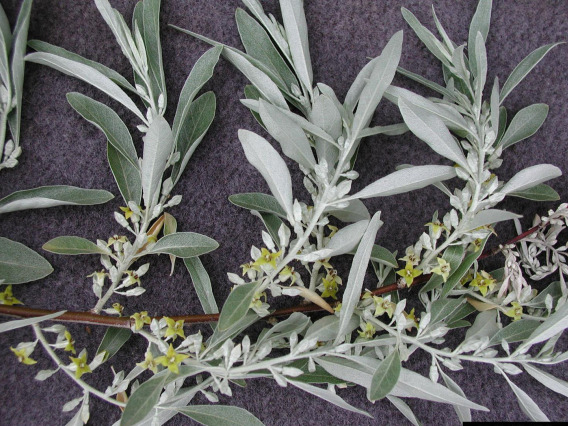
{"points": [[70, 347], [23, 355], [516, 311], [437, 228], [140, 319], [149, 363], [116, 239], [172, 359], [267, 258], [329, 288], [484, 282], [411, 316], [6, 297], [368, 332], [81, 364], [249, 267], [287, 272], [409, 273], [127, 212], [256, 300], [118, 308], [468, 277], [175, 328], [411, 256], [383, 305], [442, 269]]}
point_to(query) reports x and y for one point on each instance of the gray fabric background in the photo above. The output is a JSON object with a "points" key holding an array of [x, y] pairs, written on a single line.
{"points": [[61, 148]]}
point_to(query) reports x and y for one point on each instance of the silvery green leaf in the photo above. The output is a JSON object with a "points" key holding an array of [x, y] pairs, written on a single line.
{"points": [[219, 415], [347, 370], [479, 24], [462, 269], [386, 376], [319, 375], [548, 380], [554, 324], [272, 224], [404, 409], [405, 180], [88, 75], [127, 176], [258, 44], [382, 255], [530, 177], [107, 121], [425, 35], [328, 396], [113, 20], [540, 192], [158, 144], [425, 82], [450, 116], [143, 400], [151, 19], [184, 244], [244, 63], [18, 51], [345, 240], [202, 284], [481, 64], [325, 115], [5, 27], [326, 328], [192, 129], [464, 414], [4, 47], [433, 131], [289, 135], [256, 9], [259, 202], [71, 404], [487, 217], [390, 130], [13, 325], [528, 406], [414, 385], [444, 308], [45, 374], [485, 325], [453, 255], [200, 74], [271, 166], [52, 196], [524, 124], [502, 123], [380, 78], [296, 29], [295, 323], [242, 323], [113, 340], [354, 212], [494, 105], [524, 68], [41, 46], [357, 276], [72, 245], [20, 264], [237, 305]]}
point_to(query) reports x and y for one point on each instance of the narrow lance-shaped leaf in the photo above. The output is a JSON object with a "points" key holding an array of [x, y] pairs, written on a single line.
{"points": [[72, 245], [153, 46], [271, 166], [289, 135], [127, 176], [88, 75], [13, 325], [381, 77], [386, 376], [464, 414], [343, 241], [553, 325], [42, 46], [528, 406], [113, 340], [107, 121], [184, 244], [158, 143], [460, 272], [404, 409], [481, 64], [524, 68], [357, 276], [425, 35], [52, 196], [487, 217], [405, 180], [143, 400], [531, 176], [202, 284], [296, 29], [551, 382], [192, 130], [259, 202], [19, 42], [432, 130], [200, 74], [236, 305], [524, 124], [540, 192], [479, 24], [20, 264], [219, 415]]}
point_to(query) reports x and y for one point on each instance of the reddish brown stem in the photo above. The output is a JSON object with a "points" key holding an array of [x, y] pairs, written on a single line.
{"points": [[126, 322]]}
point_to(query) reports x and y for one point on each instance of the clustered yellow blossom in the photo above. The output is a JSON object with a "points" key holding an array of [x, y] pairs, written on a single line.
{"points": [[7, 298], [483, 282], [81, 365], [368, 332], [442, 269], [70, 346], [515, 312], [140, 318], [409, 273], [175, 328], [23, 355], [149, 363], [171, 360]]}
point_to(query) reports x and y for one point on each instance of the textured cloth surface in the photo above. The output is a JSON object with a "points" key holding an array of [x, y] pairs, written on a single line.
{"points": [[61, 148]]}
